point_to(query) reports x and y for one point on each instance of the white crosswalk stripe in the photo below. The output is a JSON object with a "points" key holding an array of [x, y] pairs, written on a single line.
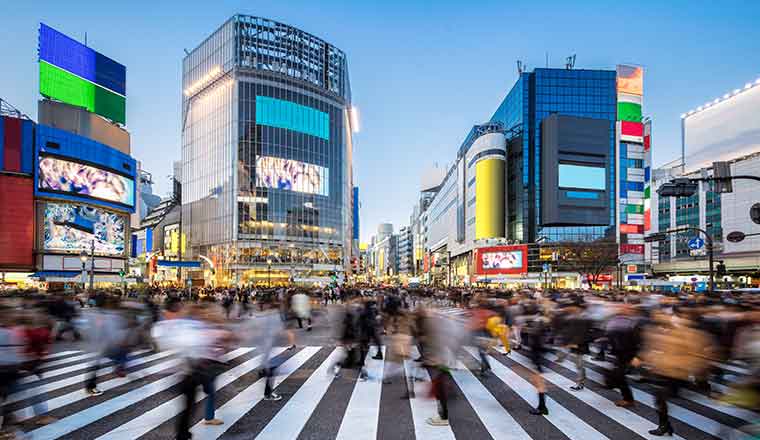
{"points": [[678, 412], [153, 378], [72, 368], [361, 417], [236, 408], [629, 419], [423, 409], [291, 419], [498, 422], [564, 420], [151, 419]]}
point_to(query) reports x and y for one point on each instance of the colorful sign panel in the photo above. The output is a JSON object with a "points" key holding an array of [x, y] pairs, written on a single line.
{"points": [[634, 161], [501, 260], [75, 74], [72, 228], [291, 175], [67, 177]]}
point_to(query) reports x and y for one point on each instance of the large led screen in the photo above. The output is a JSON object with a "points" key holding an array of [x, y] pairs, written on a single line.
{"points": [[502, 260], [75, 74], [726, 130], [291, 175], [584, 177], [63, 176], [72, 228], [630, 79]]}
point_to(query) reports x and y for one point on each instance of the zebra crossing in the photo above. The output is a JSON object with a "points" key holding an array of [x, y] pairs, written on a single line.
{"points": [[319, 404]]}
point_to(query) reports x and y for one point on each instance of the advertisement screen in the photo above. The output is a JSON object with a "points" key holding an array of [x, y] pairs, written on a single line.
{"points": [[579, 176], [630, 79], [63, 176], [502, 260], [291, 175], [72, 228]]}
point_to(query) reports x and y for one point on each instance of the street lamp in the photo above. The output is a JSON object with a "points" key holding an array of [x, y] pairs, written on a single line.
{"points": [[269, 273], [83, 257]]}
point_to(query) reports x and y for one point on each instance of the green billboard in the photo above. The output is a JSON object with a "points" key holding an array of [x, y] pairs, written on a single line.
{"points": [[63, 86]]}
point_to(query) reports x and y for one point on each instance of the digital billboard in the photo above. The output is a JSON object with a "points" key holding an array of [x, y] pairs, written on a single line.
{"points": [[73, 73], [630, 80], [291, 175], [72, 228], [502, 260], [67, 177], [583, 177]]}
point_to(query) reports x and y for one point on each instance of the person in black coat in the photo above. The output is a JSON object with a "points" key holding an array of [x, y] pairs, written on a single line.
{"points": [[624, 336]]}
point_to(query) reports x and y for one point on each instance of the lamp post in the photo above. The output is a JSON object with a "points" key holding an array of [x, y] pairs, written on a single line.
{"points": [[269, 273], [83, 257], [92, 265]]}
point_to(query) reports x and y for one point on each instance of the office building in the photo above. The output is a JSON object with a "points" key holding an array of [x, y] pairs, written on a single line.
{"points": [[564, 158], [405, 251], [85, 189], [724, 129], [267, 153]]}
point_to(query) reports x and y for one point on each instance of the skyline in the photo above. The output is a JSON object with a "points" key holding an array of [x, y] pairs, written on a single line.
{"points": [[408, 115]]}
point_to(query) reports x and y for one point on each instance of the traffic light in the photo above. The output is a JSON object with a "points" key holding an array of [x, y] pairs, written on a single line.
{"points": [[121, 273], [722, 172], [680, 187]]}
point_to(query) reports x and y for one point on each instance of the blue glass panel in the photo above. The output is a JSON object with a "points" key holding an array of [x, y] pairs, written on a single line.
{"points": [[582, 195]]}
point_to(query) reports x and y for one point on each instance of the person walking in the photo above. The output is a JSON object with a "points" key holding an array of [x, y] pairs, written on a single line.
{"points": [[301, 304], [624, 337], [675, 351]]}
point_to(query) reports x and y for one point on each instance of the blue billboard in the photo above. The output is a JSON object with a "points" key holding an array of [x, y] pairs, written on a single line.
{"points": [[75, 168], [70, 55]]}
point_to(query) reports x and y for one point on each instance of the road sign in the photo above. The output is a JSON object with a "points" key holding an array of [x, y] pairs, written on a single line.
{"points": [[696, 243]]}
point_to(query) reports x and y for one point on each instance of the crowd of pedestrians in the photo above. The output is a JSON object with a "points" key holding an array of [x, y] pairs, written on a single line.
{"points": [[670, 342]]}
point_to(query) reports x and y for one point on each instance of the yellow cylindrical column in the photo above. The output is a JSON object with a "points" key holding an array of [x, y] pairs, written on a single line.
{"points": [[489, 198]]}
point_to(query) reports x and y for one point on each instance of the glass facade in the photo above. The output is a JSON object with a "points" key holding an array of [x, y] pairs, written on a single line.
{"points": [[536, 95], [267, 151]]}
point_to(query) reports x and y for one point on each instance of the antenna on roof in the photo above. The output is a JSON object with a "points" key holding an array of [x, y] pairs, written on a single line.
{"points": [[570, 62], [520, 67]]}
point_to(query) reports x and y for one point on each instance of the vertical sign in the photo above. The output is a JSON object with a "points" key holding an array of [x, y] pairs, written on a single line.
{"points": [[634, 159]]}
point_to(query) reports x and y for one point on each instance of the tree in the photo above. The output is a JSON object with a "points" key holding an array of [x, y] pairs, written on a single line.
{"points": [[589, 258]]}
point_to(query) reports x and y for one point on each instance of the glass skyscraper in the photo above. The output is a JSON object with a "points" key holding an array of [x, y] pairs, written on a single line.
{"points": [[267, 153], [536, 95]]}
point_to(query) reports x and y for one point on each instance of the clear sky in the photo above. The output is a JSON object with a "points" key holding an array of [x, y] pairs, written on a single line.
{"points": [[422, 73]]}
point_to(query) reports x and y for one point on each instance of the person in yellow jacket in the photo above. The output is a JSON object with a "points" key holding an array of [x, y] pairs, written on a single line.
{"points": [[498, 329]]}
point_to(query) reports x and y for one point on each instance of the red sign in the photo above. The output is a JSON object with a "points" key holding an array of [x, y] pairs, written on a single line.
{"points": [[647, 219], [501, 260], [628, 128], [17, 222], [631, 229], [632, 249]]}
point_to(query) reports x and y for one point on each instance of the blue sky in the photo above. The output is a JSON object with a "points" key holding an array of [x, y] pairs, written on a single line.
{"points": [[422, 73]]}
